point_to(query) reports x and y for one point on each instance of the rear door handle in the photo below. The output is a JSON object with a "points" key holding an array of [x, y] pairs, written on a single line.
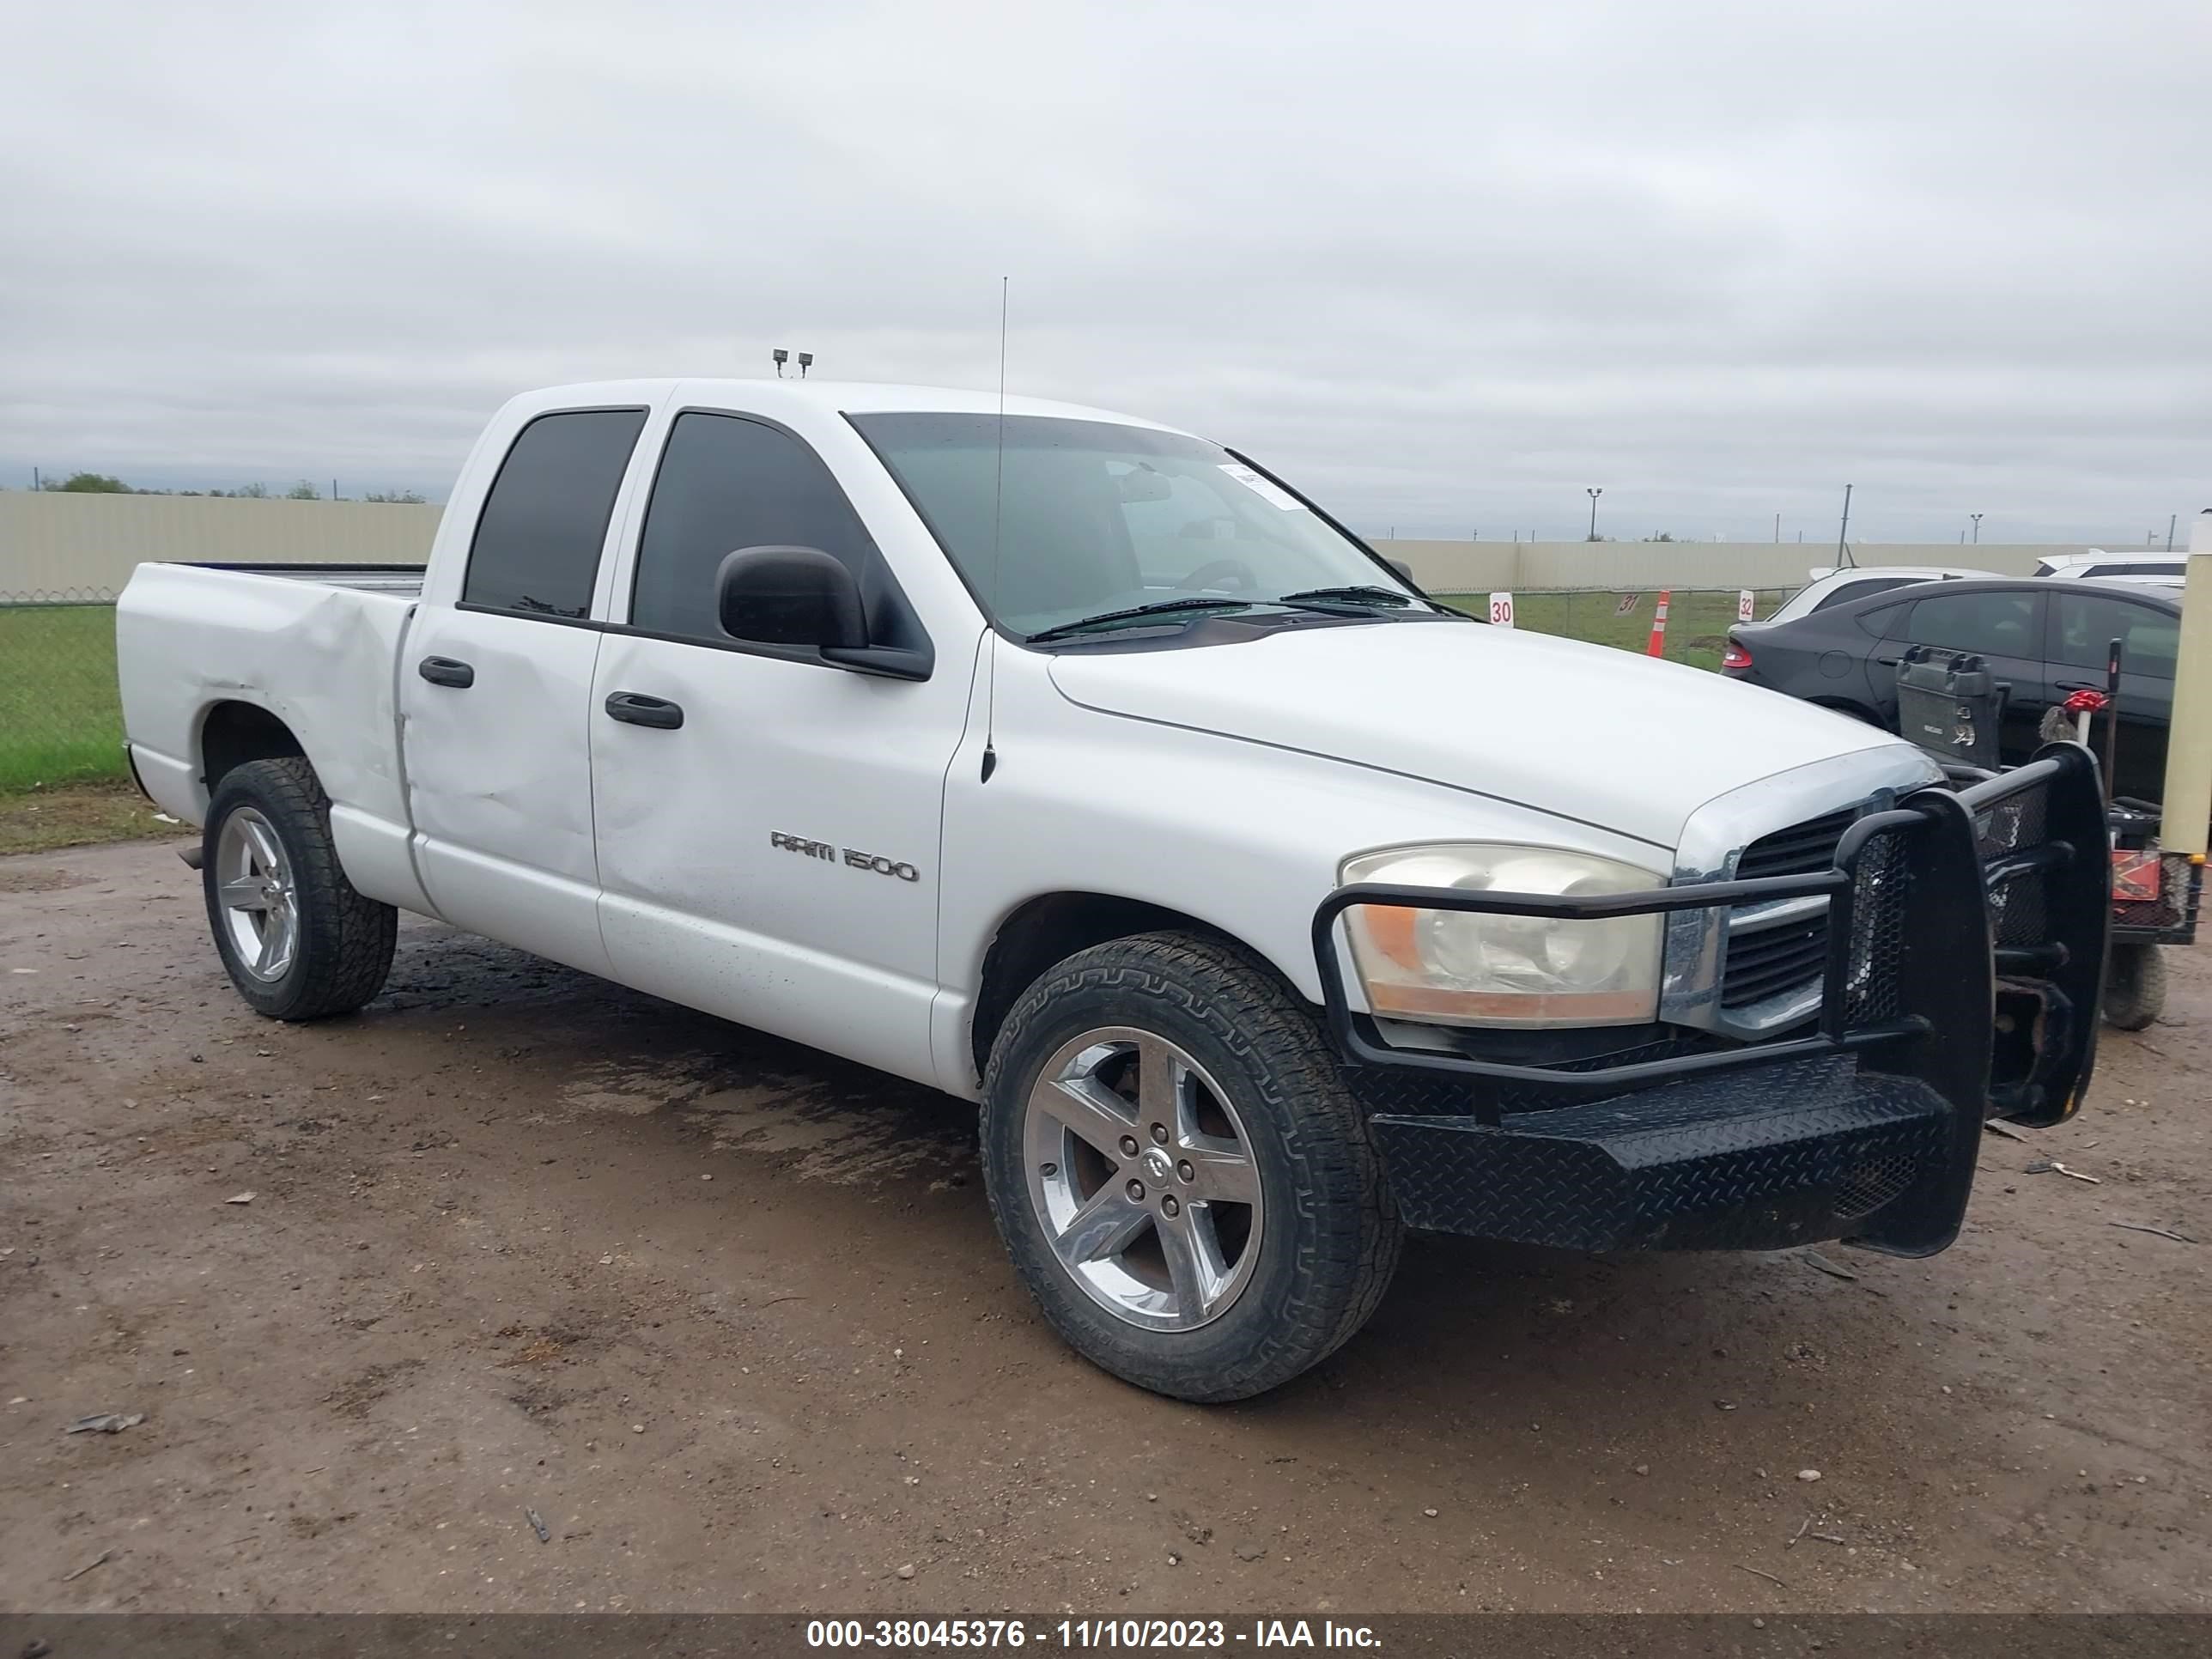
{"points": [[446, 670], [1887, 662], [2080, 685], [636, 708]]}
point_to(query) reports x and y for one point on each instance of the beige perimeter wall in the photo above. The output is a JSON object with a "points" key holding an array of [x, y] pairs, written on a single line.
{"points": [[1534, 567], [58, 547]]}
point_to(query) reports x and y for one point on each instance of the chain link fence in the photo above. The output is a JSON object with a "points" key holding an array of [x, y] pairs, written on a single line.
{"points": [[1698, 619], [60, 722]]}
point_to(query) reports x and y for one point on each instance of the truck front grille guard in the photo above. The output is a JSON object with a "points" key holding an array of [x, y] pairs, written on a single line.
{"points": [[2017, 862]]}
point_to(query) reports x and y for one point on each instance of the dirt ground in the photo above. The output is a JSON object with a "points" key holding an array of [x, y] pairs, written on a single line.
{"points": [[728, 1317]]}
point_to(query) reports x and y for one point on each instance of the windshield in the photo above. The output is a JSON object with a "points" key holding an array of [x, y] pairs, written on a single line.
{"points": [[1081, 518]]}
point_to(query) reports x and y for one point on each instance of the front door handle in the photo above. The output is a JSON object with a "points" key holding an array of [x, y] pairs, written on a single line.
{"points": [[636, 708], [446, 670]]}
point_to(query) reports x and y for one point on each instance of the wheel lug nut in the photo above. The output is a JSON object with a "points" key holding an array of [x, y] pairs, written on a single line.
{"points": [[1129, 1145], [1184, 1170], [1169, 1206], [1136, 1191], [1159, 1134]]}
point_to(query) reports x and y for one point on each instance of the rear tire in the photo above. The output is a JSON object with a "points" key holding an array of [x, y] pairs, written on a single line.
{"points": [[297, 938], [1181, 1178], [2135, 986]]}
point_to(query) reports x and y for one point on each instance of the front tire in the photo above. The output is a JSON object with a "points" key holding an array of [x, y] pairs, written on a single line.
{"points": [[2135, 986], [298, 941], [1181, 1178]]}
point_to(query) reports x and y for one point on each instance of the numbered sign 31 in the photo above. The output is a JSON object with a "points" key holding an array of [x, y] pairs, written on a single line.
{"points": [[1501, 610], [1746, 603]]}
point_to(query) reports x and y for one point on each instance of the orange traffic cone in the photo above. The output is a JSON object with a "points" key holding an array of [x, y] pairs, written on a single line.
{"points": [[1657, 645]]}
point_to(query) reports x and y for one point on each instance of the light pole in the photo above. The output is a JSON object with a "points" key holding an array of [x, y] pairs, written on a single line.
{"points": [[1976, 518], [1594, 495]]}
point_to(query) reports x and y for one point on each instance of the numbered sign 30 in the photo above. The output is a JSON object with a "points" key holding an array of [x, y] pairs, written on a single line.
{"points": [[1746, 603], [1501, 610]]}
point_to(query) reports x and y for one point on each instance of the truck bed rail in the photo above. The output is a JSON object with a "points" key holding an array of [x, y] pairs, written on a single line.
{"points": [[405, 579]]}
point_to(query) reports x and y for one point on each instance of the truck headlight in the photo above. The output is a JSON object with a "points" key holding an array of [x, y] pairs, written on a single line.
{"points": [[1458, 968]]}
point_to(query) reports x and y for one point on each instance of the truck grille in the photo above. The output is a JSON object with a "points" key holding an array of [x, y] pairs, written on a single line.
{"points": [[1773, 960], [1767, 962], [1799, 850]]}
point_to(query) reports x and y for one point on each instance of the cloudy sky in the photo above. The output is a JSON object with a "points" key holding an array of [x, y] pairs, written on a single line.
{"points": [[1444, 265]]}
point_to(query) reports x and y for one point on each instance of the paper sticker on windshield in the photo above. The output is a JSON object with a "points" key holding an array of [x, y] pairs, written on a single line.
{"points": [[1273, 494]]}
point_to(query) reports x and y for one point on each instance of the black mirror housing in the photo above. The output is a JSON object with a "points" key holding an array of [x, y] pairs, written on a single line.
{"points": [[791, 596]]}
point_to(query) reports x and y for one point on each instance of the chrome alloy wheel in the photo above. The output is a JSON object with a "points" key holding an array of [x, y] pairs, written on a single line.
{"points": [[1143, 1176], [259, 897]]}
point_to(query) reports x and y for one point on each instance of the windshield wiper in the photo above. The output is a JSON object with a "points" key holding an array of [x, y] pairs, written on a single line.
{"points": [[1355, 595], [1157, 608]]}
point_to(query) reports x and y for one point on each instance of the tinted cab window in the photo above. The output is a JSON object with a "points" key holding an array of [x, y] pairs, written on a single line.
{"points": [[728, 482], [1999, 624], [538, 536], [2084, 625]]}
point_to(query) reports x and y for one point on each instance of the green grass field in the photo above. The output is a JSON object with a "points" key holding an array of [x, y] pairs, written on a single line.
{"points": [[1697, 622], [60, 720]]}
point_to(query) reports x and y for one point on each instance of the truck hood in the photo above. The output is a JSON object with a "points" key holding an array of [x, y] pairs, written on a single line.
{"points": [[1583, 732]]}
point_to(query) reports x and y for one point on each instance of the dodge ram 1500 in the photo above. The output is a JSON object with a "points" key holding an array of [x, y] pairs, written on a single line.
{"points": [[1083, 768]]}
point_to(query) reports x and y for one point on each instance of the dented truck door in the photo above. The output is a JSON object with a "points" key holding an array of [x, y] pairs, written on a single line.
{"points": [[494, 687], [768, 822]]}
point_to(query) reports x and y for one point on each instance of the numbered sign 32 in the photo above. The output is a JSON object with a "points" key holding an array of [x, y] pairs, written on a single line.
{"points": [[1501, 610], [1746, 603]]}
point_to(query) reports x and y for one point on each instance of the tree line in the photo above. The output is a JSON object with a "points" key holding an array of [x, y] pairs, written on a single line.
{"points": [[101, 484]]}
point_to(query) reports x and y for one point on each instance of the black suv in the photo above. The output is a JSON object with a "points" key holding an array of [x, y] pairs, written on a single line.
{"points": [[2042, 639]]}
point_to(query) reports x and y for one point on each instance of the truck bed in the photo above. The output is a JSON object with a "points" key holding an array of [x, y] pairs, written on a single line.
{"points": [[316, 646]]}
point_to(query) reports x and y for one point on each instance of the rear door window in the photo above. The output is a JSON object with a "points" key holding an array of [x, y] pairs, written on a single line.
{"points": [[537, 539], [2084, 625], [1885, 621], [1999, 624]]}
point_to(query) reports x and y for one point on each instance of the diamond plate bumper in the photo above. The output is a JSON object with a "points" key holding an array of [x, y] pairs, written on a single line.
{"points": [[1755, 1161]]}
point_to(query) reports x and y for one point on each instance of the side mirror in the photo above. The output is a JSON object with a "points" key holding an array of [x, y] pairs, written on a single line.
{"points": [[1402, 568], [791, 596]]}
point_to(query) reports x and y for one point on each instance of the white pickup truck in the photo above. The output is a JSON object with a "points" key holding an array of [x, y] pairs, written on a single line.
{"points": [[1081, 767]]}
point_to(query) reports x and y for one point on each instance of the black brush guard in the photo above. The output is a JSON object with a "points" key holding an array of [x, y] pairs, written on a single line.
{"points": [[1966, 942]]}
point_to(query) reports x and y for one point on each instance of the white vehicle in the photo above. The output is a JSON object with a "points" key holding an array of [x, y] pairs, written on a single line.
{"points": [[1080, 768], [1836, 584], [2173, 567]]}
